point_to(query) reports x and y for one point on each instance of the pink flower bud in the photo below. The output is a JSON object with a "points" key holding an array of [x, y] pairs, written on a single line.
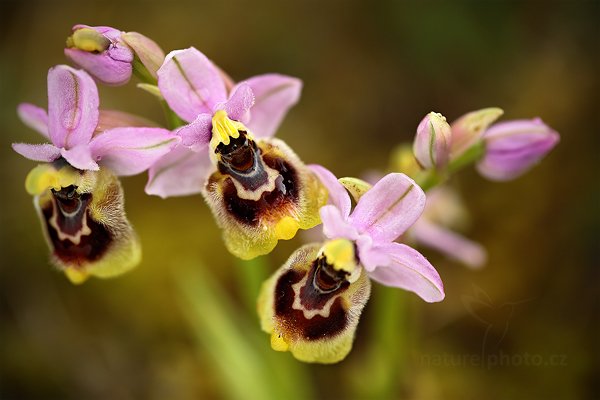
{"points": [[432, 142], [149, 53], [467, 130], [111, 56], [513, 147], [100, 51]]}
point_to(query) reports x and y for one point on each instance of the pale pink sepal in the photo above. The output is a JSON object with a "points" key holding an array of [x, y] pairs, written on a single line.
{"points": [[338, 195], [274, 95], [131, 150], [37, 152], [110, 119], [72, 106], [190, 83], [34, 117], [449, 243], [181, 172]]}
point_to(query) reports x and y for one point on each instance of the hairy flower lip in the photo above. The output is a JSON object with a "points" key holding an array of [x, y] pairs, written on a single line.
{"points": [[84, 223], [315, 325], [268, 203]]}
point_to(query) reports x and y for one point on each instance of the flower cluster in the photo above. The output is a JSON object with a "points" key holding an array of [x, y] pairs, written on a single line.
{"points": [[219, 142]]}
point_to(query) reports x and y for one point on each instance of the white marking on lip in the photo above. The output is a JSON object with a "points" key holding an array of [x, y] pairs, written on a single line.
{"points": [[309, 314], [75, 239]]}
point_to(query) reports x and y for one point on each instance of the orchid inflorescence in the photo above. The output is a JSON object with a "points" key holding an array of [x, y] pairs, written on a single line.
{"points": [[219, 142]]}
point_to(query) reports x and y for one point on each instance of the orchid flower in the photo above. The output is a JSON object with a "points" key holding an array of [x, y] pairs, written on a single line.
{"points": [[77, 195], [312, 304], [256, 186], [109, 55], [195, 89]]}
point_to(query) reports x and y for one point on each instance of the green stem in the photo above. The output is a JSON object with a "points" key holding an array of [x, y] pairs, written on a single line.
{"points": [[431, 178], [252, 274], [173, 120], [386, 360], [471, 155], [243, 361], [140, 70]]}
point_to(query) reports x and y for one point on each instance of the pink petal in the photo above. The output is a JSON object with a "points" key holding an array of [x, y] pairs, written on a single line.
{"points": [[335, 225], [338, 196], [131, 150], [72, 106], [37, 152], [389, 208], [274, 95], [190, 83], [239, 103], [411, 271], [196, 135], [34, 117], [450, 243], [371, 257], [180, 173], [80, 157]]}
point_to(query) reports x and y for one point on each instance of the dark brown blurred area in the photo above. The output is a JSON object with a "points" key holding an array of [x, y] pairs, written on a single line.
{"points": [[525, 326]]}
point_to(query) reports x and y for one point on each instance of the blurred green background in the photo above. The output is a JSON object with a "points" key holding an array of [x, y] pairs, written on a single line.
{"points": [[183, 325]]}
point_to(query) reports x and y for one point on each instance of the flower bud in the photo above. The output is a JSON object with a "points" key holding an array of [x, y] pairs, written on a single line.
{"points": [[432, 142], [146, 50], [513, 147], [100, 51], [111, 55], [467, 130]]}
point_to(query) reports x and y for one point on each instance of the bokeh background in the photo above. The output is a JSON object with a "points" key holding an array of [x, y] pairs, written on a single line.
{"points": [[183, 325]]}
